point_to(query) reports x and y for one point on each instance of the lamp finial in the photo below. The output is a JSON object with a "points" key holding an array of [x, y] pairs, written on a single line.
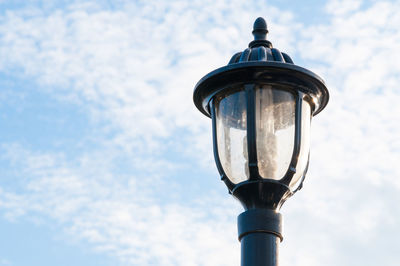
{"points": [[260, 29]]}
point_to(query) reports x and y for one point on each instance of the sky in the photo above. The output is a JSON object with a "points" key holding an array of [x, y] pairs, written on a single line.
{"points": [[104, 160]]}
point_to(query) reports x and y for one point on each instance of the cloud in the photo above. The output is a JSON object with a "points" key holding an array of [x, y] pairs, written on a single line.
{"points": [[5, 262], [131, 68], [352, 189], [118, 215], [133, 75]]}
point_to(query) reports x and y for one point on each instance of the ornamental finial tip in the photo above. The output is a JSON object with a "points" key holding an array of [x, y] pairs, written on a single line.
{"points": [[260, 29]]}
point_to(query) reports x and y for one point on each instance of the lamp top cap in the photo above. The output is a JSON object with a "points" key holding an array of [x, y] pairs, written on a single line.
{"points": [[260, 49], [260, 62]]}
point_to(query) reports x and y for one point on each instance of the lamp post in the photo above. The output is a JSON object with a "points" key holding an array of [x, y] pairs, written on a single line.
{"points": [[261, 105]]}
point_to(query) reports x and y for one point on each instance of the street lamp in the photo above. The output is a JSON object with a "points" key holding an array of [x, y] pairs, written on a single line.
{"points": [[261, 106]]}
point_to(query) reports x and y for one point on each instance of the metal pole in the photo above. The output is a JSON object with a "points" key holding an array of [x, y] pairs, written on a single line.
{"points": [[260, 231]]}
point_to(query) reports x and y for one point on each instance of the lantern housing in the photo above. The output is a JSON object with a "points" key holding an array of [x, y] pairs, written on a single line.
{"points": [[261, 105]]}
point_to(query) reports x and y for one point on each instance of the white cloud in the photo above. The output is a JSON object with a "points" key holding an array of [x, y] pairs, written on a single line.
{"points": [[5, 262], [134, 75], [341, 8], [350, 196], [120, 215], [133, 70]]}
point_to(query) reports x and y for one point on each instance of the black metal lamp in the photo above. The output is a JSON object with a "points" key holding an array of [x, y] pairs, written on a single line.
{"points": [[261, 106]]}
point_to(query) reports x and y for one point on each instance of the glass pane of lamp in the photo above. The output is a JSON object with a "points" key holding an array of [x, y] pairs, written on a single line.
{"points": [[232, 135], [304, 144], [275, 125]]}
